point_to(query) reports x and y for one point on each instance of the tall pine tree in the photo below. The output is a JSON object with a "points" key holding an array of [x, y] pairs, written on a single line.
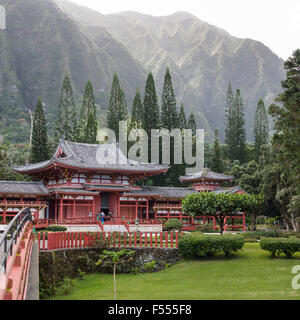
{"points": [[40, 147], [90, 131], [88, 107], [169, 114], [229, 121], [182, 123], [117, 109], [151, 110], [261, 128], [217, 164], [137, 114], [239, 130], [192, 123], [66, 123]]}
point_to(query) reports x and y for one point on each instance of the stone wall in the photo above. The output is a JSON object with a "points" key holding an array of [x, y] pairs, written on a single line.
{"points": [[57, 264]]}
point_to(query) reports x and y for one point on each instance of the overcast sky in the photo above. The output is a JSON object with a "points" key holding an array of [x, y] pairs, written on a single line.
{"points": [[276, 23]]}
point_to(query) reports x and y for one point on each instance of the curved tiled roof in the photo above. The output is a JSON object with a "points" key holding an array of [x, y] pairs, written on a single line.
{"points": [[163, 192], [206, 174], [22, 187], [92, 156]]}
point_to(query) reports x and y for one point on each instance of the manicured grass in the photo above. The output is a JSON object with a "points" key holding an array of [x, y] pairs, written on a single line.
{"points": [[251, 274]]}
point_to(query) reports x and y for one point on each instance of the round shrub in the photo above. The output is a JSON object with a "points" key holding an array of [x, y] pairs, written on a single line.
{"points": [[56, 228], [173, 224], [276, 246], [194, 246]]}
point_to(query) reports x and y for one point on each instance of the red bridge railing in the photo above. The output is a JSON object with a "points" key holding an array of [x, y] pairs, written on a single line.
{"points": [[15, 253], [68, 240]]}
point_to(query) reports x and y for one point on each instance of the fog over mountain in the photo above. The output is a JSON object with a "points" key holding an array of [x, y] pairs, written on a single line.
{"points": [[45, 38]]}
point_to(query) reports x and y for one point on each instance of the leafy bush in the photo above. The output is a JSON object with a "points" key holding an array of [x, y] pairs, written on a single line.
{"points": [[261, 233], [67, 285], [205, 227], [276, 246], [56, 228], [193, 246], [149, 266], [81, 274], [172, 224]]}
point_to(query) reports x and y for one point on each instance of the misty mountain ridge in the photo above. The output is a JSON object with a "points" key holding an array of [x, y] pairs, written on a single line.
{"points": [[44, 39]]}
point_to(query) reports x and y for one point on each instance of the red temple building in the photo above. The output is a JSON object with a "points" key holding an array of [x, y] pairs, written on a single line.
{"points": [[72, 187]]}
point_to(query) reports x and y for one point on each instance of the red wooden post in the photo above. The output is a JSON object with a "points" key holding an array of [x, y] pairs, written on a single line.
{"points": [[150, 239], [146, 240], [108, 239], [65, 239], [155, 239], [44, 240], [161, 239], [114, 239], [176, 239], [68, 240], [119, 239], [141, 239], [80, 239], [135, 239], [129, 234], [124, 234], [171, 239], [166, 239], [49, 242], [61, 208], [76, 239], [39, 239]]}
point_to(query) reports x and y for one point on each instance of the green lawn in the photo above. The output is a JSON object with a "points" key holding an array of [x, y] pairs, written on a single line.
{"points": [[251, 274]]}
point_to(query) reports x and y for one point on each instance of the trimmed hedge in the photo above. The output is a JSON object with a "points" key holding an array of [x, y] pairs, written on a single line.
{"points": [[172, 224], [194, 246], [264, 233], [56, 228], [276, 246]]}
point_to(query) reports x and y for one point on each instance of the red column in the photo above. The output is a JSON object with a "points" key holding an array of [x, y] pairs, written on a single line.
{"points": [[94, 208], [136, 208], [74, 206], [118, 207], [147, 212], [244, 222], [61, 209]]}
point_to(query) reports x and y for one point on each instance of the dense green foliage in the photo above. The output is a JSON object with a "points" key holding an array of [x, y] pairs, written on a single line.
{"points": [[194, 246], [87, 124], [66, 123], [276, 246], [40, 147], [56, 228], [169, 114], [260, 128], [218, 205], [172, 224], [117, 109]]}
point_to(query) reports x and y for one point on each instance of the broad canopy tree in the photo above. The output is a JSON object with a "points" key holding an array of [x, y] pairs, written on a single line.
{"points": [[220, 205]]}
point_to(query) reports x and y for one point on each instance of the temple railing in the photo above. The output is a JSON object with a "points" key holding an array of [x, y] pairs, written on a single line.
{"points": [[15, 251]]}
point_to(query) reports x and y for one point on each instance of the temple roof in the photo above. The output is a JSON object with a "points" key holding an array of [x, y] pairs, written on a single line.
{"points": [[206, 175], [161, 192], [85, 156], [23, 187], [174, 192]]}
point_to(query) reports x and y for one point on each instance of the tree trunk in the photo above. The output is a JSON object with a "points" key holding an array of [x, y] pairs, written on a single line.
{"points": [[253, 223], [115, 282]]}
